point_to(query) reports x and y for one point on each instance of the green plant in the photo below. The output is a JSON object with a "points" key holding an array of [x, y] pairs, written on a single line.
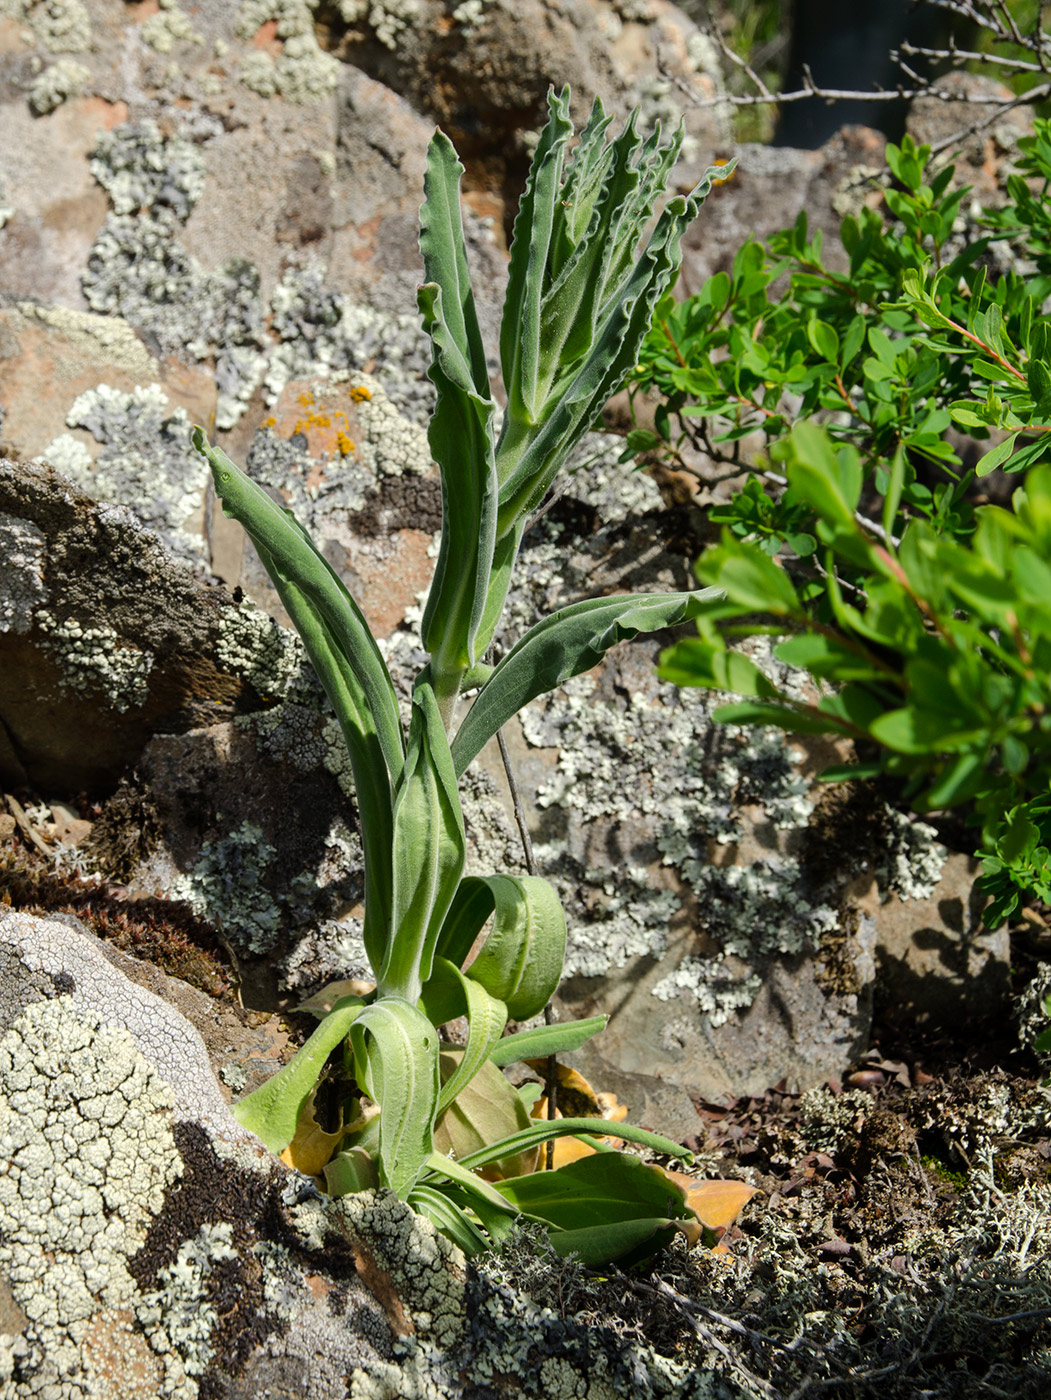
{"points": [[930, 616], [581, 294], [743, 357], [939, 650]]}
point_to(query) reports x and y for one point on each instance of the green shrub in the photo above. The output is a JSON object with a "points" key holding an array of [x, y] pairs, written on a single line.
{"points": [[925, 620]]}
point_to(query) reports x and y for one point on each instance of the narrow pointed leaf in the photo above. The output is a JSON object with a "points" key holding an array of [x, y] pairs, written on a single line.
{"points": [[272, 1111], [541, 1131], [371, 781], [559, 1039], [292, 553], [445, 1215], [448, 1167], [461, 428], [565, 644], [396, 1060]]}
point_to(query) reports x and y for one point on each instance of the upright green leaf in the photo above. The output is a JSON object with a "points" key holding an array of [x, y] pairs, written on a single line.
{"points": [[534, 229], [534, 443], [565, 644], [429, 850], [461, 428], [372, 786], [396, 1060]]}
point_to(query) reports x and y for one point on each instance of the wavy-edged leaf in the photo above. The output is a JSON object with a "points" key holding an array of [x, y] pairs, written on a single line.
{"points": [[272, 1111], [521, 960], [486, 1018], [570, 641], [529, 455], [429, 850], [396, 1061], [561, 1038], [461, 428], [534, 227]]}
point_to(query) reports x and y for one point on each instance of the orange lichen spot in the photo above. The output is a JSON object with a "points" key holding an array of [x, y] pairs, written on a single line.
{"points": [[320, 420], [344, 443], [270, 422], [360, 394], [306, 399], [300, 427]]}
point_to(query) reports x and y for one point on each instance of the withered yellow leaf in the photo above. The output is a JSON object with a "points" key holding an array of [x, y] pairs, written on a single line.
{"points": [[716, 1204], [312, 1147]]}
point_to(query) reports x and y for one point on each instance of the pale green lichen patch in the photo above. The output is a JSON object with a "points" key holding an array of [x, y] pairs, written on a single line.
{"points": [[63, 26], [169, 26], [54, 85], [86, 1157], [251, 644], [22, 588], [96, 658], [177, 1315], [302, 72]]}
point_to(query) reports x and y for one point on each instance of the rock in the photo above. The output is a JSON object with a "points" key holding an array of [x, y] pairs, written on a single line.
{"points": [[104, 637], [150, 1248], [937, 963]]}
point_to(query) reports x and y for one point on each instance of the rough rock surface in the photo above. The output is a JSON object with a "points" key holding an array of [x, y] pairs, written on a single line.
{"points": [[210, 211], [148, 1249]]}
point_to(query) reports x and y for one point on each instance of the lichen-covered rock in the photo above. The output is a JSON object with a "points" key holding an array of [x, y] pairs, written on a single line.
{"points": [[104, 637], [149, 1249]]}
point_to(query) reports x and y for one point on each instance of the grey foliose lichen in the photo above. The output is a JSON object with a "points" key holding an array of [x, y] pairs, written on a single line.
{"points": [[225, 885], [22, 588], [139, 269], [146, 463], [86, 1157], [321, 331], [139, 168], [252, 645], [912, 864], [234, 883]]}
